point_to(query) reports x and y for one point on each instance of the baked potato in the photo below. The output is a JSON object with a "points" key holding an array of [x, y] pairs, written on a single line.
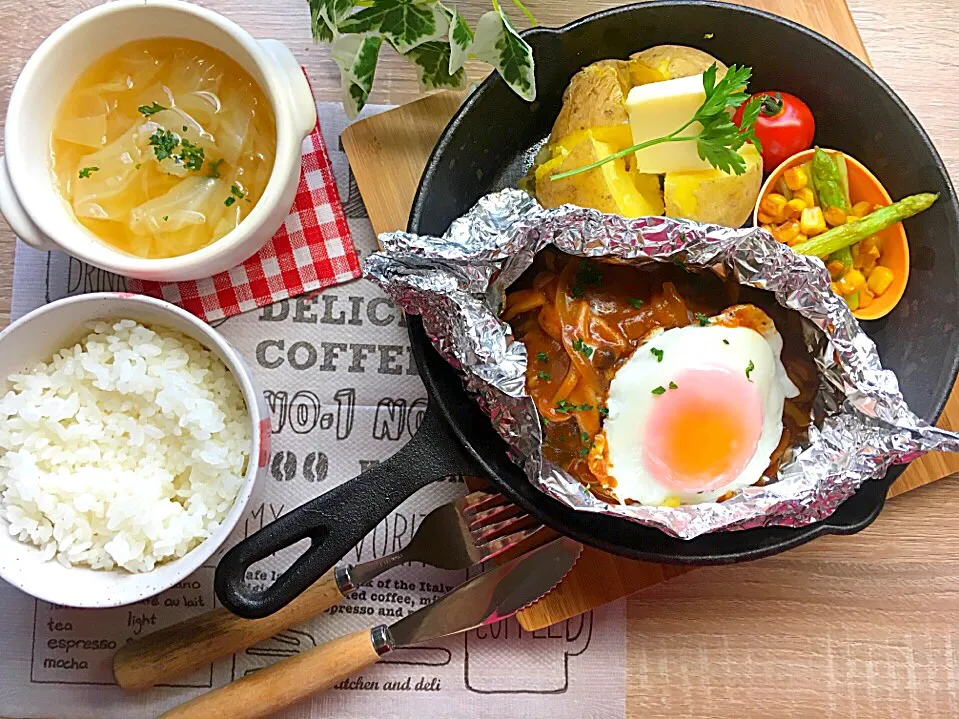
{"points": [[593, 123], [608, 188], [713, 196]]}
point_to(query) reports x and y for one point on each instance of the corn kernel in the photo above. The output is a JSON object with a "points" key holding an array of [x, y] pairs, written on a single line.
{"points": [[880, 279], [773, 204], [834, 216], [798, 240], [851, 282], [768, 219], [671, 502], [861, 209], [794, 208], [788, 231], [873, 242], [836, 268], [865, 298], [805, 194], [796, 178], [812, 221]]}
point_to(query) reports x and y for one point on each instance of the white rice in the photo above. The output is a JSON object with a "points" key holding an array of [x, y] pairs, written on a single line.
{"points": [[126, 450]]}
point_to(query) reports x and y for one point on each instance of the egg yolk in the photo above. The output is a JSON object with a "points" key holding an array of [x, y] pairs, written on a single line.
{"points": [[704, 432]]}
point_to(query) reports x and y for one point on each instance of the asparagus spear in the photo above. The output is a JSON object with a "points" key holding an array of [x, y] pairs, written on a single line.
{"points": [[825, 176], [852, 232]]}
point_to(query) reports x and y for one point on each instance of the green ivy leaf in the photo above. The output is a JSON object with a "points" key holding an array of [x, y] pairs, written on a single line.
{"points": [[461, 38], [496, 42], [356, 56], [432, 60], [325, 17], [404, 23]]}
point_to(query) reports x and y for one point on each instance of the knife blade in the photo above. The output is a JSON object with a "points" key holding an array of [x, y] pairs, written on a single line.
{"points": [[495, 595]]}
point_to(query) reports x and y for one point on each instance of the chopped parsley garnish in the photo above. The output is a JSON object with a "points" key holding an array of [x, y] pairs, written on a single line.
{"points": [[544, 376], [673, 385], [583, 348], [583, 451], [151, 109], [749, 368], [235, 194], [136, 166], [636, 302], [166, 217], [725, 342], [214, 170], [702, 319], [659, 390], [584, 437], [657, 353], [164, 143], [87, 171], [604, 411], [587, 275], [544, 421], [185, 128], [190, 155], [542, 357], [566, 407]]}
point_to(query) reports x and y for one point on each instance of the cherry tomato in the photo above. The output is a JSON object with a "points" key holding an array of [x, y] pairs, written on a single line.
{"points": [[784, 127]]}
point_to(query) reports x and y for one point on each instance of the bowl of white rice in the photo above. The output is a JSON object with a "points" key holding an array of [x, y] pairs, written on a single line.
{"points": [[131, 438]]}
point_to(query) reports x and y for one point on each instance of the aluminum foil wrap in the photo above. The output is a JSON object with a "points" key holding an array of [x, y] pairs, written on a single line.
{"points": [[456, 283]]}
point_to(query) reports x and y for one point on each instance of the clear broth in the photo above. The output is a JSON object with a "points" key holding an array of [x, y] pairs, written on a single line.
{"points": [[163, 182]]}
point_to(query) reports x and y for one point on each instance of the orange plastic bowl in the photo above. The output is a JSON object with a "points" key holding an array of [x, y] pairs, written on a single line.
{"points": [[863, 185]]}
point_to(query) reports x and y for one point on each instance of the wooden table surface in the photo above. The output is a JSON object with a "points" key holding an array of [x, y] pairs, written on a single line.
{"points": [[863, 626]]}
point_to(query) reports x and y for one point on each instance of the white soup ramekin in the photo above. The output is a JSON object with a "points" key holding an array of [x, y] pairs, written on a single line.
{"points": [[29, 200]]}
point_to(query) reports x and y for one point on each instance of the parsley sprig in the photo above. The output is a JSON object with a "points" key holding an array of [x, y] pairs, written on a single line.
{"points": [[719, 141]]}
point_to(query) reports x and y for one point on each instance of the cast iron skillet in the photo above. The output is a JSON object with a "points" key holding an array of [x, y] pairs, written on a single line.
{"points": [[484, 148]]}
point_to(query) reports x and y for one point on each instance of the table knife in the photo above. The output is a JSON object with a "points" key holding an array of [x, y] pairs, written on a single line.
{"points": [[488, 598]]}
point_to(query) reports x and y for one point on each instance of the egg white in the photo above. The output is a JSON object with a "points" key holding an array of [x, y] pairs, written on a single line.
{"points": [[631, 399]]}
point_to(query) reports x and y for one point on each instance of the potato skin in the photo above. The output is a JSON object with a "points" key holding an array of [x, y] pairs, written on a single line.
{"points": [[595, 97], [714, 197], [669, 62]]}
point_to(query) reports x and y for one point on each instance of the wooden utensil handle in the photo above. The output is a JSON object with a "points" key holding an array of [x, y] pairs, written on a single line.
{"points": [[269, 690], [188, 645]]}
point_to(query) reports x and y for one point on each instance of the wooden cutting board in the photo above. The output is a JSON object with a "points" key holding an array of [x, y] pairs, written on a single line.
{"points": [[387, 154]]}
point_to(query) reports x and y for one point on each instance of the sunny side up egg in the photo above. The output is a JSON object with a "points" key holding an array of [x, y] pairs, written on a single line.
{"points": [[696, 411]]}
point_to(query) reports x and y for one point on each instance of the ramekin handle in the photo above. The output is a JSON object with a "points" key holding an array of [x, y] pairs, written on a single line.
{"points": [[16, 216], [303, 104]]}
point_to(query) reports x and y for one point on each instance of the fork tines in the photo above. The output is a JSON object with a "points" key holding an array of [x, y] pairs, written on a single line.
{"points": [[494, 523]]}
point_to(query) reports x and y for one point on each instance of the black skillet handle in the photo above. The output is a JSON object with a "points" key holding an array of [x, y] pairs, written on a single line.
{"points": [[336, 521]]}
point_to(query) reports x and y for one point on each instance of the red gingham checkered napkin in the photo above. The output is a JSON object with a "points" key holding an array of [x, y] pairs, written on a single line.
{"points": [[312, 250]]}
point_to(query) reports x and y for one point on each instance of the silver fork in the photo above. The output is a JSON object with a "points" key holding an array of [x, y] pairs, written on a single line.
{"points": [[457, 535]]}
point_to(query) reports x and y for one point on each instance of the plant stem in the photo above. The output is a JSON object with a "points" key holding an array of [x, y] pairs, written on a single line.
{"points": [[496, 5], [671, 137], [526, 12]]}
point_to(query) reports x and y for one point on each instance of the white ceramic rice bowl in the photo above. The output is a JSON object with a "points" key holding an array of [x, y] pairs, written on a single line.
{"points": [[36, 337]]}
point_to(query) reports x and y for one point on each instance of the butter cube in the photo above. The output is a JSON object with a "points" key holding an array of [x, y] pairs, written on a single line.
{"points": [[656, 110]]}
